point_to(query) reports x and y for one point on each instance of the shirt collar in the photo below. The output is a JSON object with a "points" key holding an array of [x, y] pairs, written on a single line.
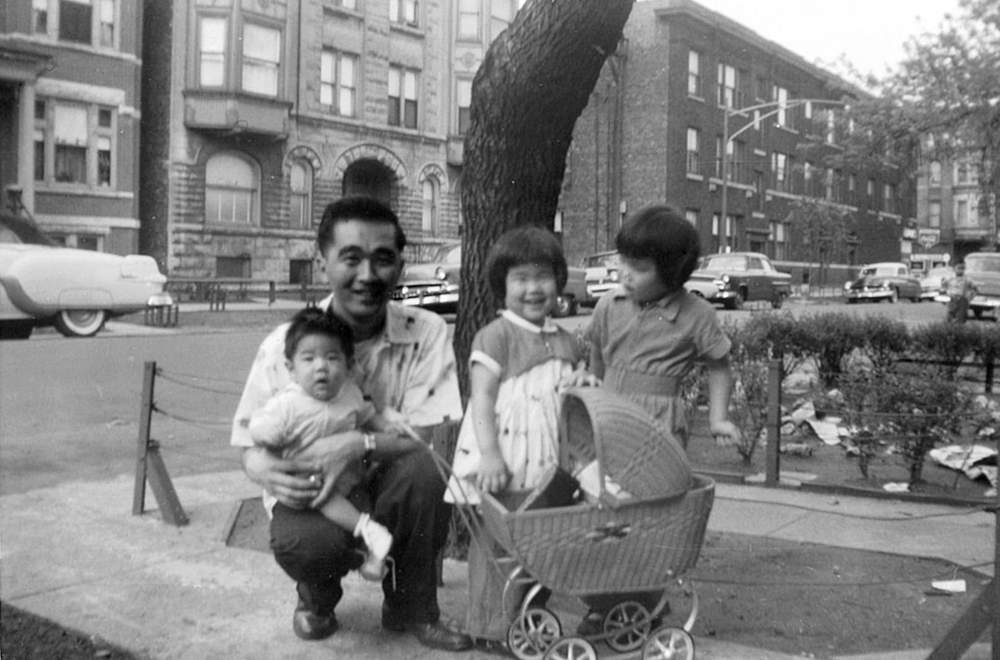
{"points": [[400, 323], [548, 326], [670, 303]]}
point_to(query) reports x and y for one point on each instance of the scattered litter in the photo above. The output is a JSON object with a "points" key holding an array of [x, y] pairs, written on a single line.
{"points": [[896, 487], [825, 430], [974, 461], [796, 449], [950, 586]]}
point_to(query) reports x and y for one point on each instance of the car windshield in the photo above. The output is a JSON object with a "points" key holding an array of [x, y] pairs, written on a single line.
{"points": [[982, 264], [446, 254], [599, 260], [725, 263], [882, 271]]}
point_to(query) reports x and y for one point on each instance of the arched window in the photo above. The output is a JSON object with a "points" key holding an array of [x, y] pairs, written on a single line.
{"points": [[231, 188], [935, 174], [429, 215], [300, 183]]}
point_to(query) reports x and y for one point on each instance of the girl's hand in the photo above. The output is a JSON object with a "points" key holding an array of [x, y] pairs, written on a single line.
{"points": [[725, 433], [580, 378], [493, 475]]}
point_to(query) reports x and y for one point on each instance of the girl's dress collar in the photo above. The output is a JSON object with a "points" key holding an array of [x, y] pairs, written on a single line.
{"points": [[548, 326]]}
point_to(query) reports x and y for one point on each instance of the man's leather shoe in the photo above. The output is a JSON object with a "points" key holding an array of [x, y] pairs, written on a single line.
{"points": [[308, 625], [433, 635]]}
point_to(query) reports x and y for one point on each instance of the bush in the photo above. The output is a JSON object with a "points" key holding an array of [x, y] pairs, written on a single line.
{"points": [[830, 338]]}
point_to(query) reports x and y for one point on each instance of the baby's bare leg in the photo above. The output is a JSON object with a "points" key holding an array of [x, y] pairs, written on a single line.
{"points": [[340, 510]]}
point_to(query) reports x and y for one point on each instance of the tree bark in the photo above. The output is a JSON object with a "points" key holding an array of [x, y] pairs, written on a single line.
{"points": [[533, 83]]}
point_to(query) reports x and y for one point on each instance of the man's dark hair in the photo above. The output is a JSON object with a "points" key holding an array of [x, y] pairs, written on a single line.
{"points": [[524, 245], [366, 209], [315, 321], [660, 233]]}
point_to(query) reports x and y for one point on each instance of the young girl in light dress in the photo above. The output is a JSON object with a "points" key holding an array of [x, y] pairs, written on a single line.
{"points": [[518, 366]]}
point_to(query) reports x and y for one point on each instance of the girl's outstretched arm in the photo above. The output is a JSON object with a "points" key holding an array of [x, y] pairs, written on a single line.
{"points": [[720, 386], [492, 475]]}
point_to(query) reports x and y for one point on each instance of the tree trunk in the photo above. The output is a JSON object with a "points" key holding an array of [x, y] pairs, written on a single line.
{"points": [[533, 83]]}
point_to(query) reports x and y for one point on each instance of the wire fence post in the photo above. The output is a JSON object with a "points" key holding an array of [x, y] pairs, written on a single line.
{"points": [[772, 474], [149, 464]]}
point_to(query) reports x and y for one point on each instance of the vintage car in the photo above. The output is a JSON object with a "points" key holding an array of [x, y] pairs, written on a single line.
{"points": [[74, 290], [733, 278], [930, 284], [887, 280], [434, 284], [983, 270], [601, 274]]}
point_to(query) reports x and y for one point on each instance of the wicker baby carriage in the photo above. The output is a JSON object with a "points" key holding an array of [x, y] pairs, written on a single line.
{"points": [[643, 528]]}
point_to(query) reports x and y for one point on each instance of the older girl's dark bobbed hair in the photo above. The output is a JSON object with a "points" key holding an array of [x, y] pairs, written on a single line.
{"points": [[524, 245], [660, 233]]}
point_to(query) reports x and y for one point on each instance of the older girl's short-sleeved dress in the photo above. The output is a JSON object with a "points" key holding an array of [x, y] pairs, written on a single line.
{"points": [[530, 361], [648, 349]]}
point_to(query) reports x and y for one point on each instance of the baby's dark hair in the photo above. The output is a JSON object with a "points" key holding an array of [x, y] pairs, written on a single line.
{"points": [[660, 233], [524, 245], [315, 321]]}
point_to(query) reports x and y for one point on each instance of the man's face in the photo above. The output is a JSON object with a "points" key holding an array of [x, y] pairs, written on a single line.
{"points": [[362, 266]]}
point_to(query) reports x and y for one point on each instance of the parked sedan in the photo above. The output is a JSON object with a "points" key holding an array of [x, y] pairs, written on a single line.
{"points": [[434, 284], [888, 281], [930, 284], [733, 278], [74, 290], [601, 274]]}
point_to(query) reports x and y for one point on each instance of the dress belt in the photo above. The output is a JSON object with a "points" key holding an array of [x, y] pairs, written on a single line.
{"points": [[636, 382]]}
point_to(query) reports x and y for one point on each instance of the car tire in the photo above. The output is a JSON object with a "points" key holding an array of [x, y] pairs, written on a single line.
{"points": [[778, 301], [80, 322], [736, 302], [16, 329], [565, 306], [893, 296]]}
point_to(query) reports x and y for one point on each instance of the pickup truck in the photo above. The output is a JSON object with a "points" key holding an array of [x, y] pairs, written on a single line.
{"points": [[983, 270]]}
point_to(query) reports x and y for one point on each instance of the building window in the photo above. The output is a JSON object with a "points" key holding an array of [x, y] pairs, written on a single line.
{"points": [[808, 184], [779, 169], [75, 20], [776, 240], [402, 97], [70, 132], [831, 127], [934, 214], [693, 145], [694, 73], [231, 185], [39, 154], [729, 86], [106, 24], [780, 96], [736, 154], [237, 267], [300, 196], [429, 209], [261, 59], [889, 197], [403, 12], [338, 87], [962, 213], [212, 51], [731, 241], [468, 19], [828, 181], [852, 183], [870, 191], [300, 271], [691, 215], [463, 96], [40, 16], [501, 15], [716, 243], [935, 173], [965, 172]]}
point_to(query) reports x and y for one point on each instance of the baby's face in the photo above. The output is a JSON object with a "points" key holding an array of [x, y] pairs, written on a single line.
{"points": [[319, 366]]}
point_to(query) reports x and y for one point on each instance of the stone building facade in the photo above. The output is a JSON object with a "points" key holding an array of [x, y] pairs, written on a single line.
{"points": [[657, 124], [69, 119], [260, 112]]}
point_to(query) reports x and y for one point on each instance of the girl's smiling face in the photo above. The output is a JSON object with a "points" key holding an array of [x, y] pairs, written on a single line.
{"points": [[641, 280], [531, 291]]}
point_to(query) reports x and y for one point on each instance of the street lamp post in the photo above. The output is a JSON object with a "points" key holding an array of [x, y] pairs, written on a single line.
{"points": [[777, 107]]}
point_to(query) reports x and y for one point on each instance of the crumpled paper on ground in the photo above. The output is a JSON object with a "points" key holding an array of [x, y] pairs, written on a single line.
{"points": [[974, 461]]}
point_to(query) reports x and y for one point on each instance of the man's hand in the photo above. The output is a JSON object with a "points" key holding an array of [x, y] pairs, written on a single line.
{"points": [[725, 433], [492, 475], [580, 378], [287, 479]]}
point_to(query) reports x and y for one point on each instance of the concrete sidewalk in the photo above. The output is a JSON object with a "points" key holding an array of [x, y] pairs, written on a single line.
{"points": [[75, 554]]}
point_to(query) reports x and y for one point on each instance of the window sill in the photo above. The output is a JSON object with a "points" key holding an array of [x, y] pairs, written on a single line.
{"points": [[694, 177], [342, 11], [695, 97], [406, 28], [80, 191]]}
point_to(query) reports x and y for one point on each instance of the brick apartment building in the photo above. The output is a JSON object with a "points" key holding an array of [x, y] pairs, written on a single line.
{"points": [[950, 216], [260, 112], [69, 118], [654, 131]]}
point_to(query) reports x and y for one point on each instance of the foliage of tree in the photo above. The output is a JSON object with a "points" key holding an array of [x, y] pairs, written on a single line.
{"points": [[822, 229], [533, 83], [941, 102]]}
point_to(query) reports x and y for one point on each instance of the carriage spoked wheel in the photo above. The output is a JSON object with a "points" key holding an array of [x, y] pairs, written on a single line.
{"points": [[533, 633], [668, 644], [626, 626], [571, 648]]}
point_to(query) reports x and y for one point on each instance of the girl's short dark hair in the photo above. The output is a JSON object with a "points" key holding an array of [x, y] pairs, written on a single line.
{"points": [[660, 233], [315, 321], [357, 207], [524, 245]]}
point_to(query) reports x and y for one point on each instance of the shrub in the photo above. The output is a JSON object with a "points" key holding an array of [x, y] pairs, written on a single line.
{"points": [[885, 339], [830, 338]]}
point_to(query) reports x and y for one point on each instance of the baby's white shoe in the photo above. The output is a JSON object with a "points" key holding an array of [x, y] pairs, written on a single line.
{"points": [[378, 540]]}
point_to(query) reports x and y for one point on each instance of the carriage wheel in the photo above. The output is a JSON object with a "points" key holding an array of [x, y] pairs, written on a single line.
{"points": [[668, 644], [532, 633], [632, 619], [571, 648]]}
